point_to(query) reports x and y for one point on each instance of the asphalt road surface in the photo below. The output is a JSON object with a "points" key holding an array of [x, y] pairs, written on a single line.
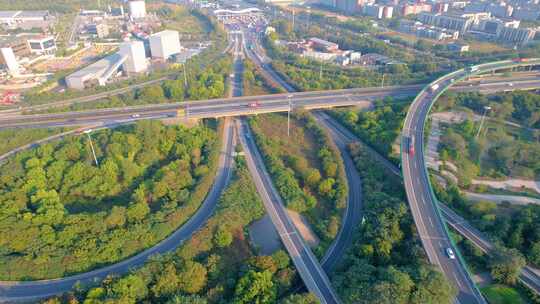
{"points": [[353, 213], [306, 263], [429, 225], [11, 292]]}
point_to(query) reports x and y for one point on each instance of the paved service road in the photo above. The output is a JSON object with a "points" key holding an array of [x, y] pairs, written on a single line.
{"points": [[29, 291], [353, 213], [306, 263]]}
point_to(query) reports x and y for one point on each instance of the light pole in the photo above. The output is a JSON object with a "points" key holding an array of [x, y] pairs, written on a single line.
{"points": [[308, 16], [382, 81], [289, 115], [486, 108], [87, 132]]}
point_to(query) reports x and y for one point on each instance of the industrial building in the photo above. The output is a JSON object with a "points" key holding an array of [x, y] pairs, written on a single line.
{"points": [[25, 19], [323, 45], [459, 23], [136, 58], [130, 58], [431, 32], [137, 9], [516, 35], [164, 44], [101, 30], [98, 73]]}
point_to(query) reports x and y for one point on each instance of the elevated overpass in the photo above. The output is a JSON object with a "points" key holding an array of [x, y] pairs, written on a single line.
{"points": [[239, 106]]}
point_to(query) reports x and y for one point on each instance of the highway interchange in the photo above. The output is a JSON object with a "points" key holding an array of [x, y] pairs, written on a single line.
{"points": [[424, 206]]}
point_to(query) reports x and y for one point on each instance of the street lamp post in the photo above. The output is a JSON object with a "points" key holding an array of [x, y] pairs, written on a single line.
{"points": [[382, 81], [308, 16], [289, 115], [92, 146], [486, 109]]}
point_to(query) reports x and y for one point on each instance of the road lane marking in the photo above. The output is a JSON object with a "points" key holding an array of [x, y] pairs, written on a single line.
{"points": [[457, 280]]}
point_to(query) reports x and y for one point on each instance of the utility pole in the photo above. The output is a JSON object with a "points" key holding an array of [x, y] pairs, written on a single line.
{"points": [[320, 71], [293, 16], [289, 115], [382, 81], [92, 146], [308, 16], [486, 108]]}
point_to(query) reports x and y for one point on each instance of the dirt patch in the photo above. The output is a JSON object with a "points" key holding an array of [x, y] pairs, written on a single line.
{"points": [[302, 226], [264, 236], [482, 279]]}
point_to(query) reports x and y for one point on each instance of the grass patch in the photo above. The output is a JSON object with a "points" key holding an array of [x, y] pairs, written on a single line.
{"points": [[14, 138], [502, 294]]}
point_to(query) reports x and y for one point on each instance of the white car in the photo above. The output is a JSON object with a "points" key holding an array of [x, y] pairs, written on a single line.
{"points": [[450, 253], [135, 116]]}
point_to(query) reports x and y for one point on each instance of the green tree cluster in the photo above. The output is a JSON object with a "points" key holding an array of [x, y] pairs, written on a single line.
{"points": [[386, 262], [517, 228], [201, 271], [311, 183], [61, 214], [378, 127]]}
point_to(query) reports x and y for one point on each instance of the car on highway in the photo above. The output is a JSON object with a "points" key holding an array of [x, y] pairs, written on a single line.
{"points": [[254, 104], [410, 147], [135, 116], [450, 253]]}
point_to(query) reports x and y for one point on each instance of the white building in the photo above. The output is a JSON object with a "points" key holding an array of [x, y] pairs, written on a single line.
{"points": [[165, 44], [98, 73], [137, 9], [136, 58], [10, 61], [378, 11], [43, 45]]}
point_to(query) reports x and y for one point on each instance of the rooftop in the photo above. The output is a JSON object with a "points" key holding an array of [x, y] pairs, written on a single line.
{"points": [[98, 68], [23, 14], [164, 33], [323, 42], [8, 14], [27, 14]]}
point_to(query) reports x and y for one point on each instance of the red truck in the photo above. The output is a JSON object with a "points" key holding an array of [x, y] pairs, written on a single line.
{"points": [[411, 146]]}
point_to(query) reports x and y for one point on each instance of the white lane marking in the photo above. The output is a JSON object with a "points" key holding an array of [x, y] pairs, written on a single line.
{"points": [[457, 280]]}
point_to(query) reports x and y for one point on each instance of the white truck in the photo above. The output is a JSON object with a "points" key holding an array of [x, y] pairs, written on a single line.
{"points": [[434, 88]]}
